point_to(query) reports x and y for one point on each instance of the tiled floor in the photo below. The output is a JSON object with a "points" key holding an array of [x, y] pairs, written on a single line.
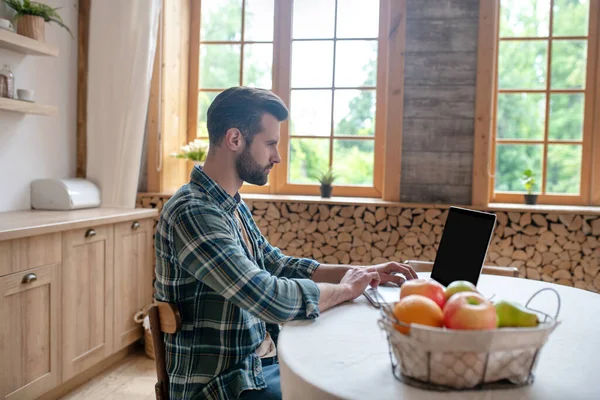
{"points": [[131, 379]]}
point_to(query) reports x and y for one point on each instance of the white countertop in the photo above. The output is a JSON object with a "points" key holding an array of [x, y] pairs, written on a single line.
{"points": [[17, 224]]}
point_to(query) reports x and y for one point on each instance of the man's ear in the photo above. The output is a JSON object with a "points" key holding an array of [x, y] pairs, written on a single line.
{"points": [[234, 139]]}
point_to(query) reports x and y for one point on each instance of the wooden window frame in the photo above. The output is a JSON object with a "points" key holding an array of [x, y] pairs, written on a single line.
{"points": [[389, 96], [485, 121]]}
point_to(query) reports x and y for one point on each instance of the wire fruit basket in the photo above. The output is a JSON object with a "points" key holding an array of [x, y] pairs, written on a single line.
{"points": [[446, 359]]}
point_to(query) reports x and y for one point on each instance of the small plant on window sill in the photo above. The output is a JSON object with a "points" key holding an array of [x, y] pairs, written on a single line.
{"points": [[326, 179], [195, 151], [528, 181]]}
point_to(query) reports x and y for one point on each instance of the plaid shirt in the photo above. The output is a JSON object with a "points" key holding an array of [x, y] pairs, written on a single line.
{"points": [[227, 297]]}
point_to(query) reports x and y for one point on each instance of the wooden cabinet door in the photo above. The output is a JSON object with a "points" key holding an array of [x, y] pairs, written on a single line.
{"points": [[88, 299], [133, 277], [29, 322]]}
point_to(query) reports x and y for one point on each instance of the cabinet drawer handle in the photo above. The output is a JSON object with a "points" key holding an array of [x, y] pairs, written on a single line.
{"points": [[30, 277], [90, 233], [135, 225]]}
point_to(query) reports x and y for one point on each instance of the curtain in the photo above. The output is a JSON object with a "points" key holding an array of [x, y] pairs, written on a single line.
{"points": [[122, 43]]}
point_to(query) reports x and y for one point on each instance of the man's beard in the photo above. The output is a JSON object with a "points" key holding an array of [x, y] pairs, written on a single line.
{"points": [[249, 170]]}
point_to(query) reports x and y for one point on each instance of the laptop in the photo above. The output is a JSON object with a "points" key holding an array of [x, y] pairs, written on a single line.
{"points": [[464, 245], [461, 253]]}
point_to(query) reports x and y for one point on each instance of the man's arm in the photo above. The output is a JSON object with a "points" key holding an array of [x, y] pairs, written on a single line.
{"points": [[206, 247], [207, 250], [331, 273], [389, 272], [352, 284], [284, 266]]}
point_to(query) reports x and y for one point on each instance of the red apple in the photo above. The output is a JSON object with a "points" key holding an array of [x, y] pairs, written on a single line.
{"points": [[459, 286], [469, 310], [424, 287]]}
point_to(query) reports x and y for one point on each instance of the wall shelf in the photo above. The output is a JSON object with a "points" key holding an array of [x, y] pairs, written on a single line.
{"points": [[25, 45], [27, 108]]}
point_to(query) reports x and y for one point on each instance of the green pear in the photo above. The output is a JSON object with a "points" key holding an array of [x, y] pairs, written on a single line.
{"points": [[514, 315]]}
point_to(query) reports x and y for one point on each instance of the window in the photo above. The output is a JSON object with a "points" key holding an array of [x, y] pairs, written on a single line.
{"points": [[544, 100], [321, 58], [236, 48]]}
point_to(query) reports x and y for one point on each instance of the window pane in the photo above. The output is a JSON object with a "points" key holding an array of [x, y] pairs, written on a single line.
{"points": [[310, 112], [521, 116], [353, 161], [524, 18], [357, 19], [221, 20], [258, 59], [204, 101], [569, 61], [219, 66], [356, 63], [313, 19], [571, 18], [522, 65], [512, 160], [354, 112], [564, 169], [259, 20], [566, 116], [312, 64], [308, 158]]}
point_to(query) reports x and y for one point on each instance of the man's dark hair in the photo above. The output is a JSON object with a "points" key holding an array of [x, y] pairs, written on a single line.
{"points": [[242, 108]]}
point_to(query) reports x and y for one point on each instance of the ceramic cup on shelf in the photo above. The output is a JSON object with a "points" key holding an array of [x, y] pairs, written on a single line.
{"points": [[25, 94], [6, 24]]}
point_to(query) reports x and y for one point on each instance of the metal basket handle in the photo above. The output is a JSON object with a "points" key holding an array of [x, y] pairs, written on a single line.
{"points": [[387, 311], [541, 312]]}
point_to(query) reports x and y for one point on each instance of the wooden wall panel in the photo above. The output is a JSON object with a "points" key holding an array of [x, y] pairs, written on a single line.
{"points": [[438, 69], [425, 167], [443, 34], [439, 101], [447, 9], [454, 135], [437, 194]]}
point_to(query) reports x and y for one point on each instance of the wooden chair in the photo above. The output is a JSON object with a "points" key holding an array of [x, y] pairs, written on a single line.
{"points": [[164, 318], [426, 266]]}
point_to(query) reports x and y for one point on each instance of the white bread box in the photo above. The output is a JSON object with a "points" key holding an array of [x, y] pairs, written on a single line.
{"points": [[64, 194]]}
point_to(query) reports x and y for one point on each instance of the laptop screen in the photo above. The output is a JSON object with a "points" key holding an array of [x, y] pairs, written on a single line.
{"points": [[463, 246]]}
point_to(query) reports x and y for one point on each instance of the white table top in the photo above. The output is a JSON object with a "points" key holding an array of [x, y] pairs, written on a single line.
{"points": [[344, 354]]}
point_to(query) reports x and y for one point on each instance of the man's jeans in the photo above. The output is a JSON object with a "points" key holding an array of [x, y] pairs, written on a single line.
{"points": [[271, 374]]}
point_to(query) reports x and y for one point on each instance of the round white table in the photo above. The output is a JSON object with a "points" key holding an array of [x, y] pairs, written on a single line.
{"points": [[343, 354]]}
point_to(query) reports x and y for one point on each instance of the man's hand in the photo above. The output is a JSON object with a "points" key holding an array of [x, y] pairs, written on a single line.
{"points": [[357, 280], [388, 272]]}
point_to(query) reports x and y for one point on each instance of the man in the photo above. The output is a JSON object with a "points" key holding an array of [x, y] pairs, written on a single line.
{"points": [[233, 288]]}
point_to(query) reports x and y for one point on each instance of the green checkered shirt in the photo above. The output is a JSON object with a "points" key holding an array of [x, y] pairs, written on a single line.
{"points": [[227, 298]]}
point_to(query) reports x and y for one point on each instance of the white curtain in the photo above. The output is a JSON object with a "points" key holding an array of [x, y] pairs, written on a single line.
{"points": [[122, 44]]}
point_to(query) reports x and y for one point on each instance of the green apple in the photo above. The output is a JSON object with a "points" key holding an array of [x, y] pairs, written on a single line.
{"points": [[459, 286]]}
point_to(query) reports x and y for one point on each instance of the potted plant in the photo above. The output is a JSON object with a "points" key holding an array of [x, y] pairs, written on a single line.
{"points": [[195, 151], [326, 179], [31, 16], [528, 181]]}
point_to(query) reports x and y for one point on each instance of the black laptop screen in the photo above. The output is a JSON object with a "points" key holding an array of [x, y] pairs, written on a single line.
{"points": [[463, 246]]}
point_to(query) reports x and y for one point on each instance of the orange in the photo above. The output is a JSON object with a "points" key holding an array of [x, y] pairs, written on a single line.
{"points": [[417, 309]]}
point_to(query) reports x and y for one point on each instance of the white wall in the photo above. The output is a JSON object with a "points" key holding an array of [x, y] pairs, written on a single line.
{"points": [[31, 146]]}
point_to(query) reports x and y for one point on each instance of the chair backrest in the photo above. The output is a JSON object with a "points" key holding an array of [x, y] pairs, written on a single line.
{"points": [[427, 266], [164, 318]]}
